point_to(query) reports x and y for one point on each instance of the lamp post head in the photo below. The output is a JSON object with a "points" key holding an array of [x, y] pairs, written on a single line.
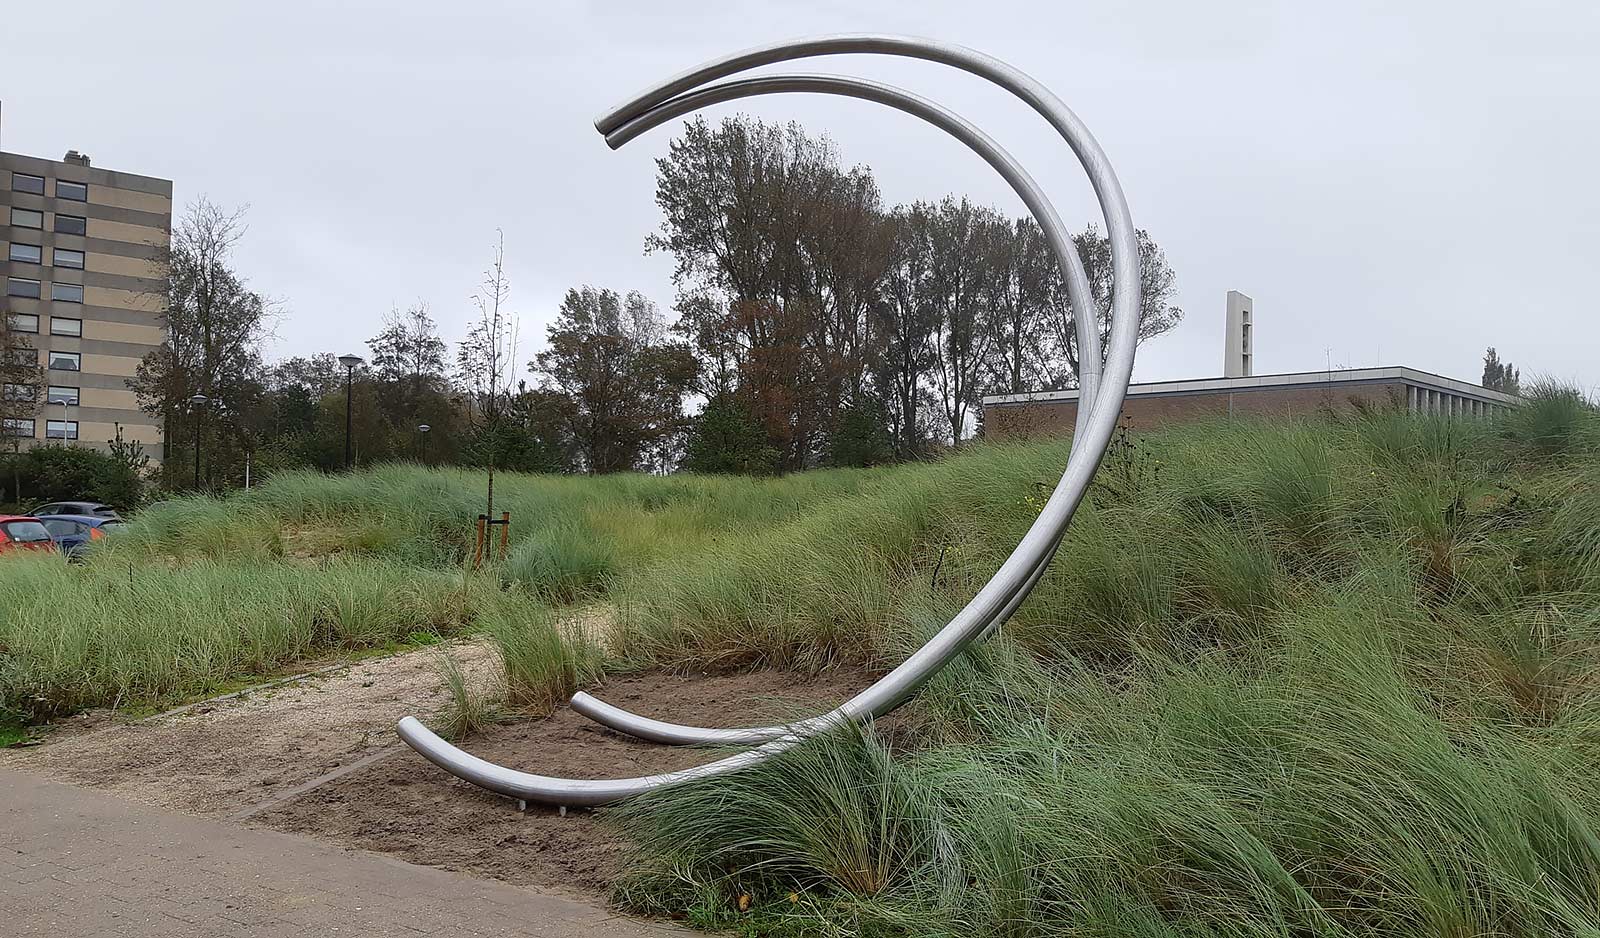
{"points": [[423, 428], [199, 400], [350, 361]]}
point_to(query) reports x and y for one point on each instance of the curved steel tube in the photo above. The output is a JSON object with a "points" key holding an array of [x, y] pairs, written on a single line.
{"points": [[568, 792], [1009, 584], [672, 98], [679, 734], [987, 67]]}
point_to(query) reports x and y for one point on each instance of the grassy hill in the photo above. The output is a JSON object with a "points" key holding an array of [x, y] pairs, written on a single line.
{"points": [[1328, 678]]}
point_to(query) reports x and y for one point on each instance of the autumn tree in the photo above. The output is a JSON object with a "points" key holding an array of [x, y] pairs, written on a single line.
{"points": [[780, 252], [610, 357]]}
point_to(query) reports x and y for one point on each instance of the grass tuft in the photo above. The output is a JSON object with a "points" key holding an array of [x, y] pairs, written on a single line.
{"points": [[469, 709]]}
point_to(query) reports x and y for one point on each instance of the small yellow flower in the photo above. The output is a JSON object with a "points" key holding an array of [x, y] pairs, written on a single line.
{"points": [[794, 897], [744, 902]]}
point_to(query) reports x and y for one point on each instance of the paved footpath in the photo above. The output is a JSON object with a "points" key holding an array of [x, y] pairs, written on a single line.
{"points": [[80, 863]]}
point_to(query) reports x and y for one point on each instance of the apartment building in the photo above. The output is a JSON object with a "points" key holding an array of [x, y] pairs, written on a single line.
{"points": [[84, 285]]}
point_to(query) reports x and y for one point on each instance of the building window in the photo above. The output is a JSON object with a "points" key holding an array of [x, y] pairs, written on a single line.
{"points": [[16, 286], [22, 356], [66, 325], [13, 426], [65, 258], [19, 392], [59, 394], [61, 429], [22, 182], [67, 292], [25, 322], [66, 361], [26, 218], [26, 253], [71, 224], [76, 191]]}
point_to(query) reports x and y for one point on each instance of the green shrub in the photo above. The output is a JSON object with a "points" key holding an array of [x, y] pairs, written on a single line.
{"points": [[56, 472], [564, 562], [724, 438], [1552, 419]]}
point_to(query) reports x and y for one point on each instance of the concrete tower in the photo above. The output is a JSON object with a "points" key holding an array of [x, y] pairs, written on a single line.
{"points": [[1238, 355]]}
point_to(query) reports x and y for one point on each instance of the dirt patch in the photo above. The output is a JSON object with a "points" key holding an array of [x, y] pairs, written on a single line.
{"points": [[222, 758], [216, 758], [405, 806]]}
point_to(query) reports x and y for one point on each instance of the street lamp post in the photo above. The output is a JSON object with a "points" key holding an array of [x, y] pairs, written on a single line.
{"points": [[349, 362], [423, 429], [195, 404]]}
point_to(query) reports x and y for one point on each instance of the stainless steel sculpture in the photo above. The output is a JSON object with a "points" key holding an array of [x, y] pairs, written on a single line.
{"points": [[1101, 401]]}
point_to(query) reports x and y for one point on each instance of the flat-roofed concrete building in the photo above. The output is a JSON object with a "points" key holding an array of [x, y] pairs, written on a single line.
{"points": [[1243, 394], [1301, 394], [84, 283]]}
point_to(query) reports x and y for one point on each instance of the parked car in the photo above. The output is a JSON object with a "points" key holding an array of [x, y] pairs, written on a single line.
{"points": [[21, 533], [74, 533], [94, 509]]}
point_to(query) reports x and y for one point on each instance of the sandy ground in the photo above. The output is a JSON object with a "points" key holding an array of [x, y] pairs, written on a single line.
{"points": [[218, 758], [405, 806], [248, 756]]}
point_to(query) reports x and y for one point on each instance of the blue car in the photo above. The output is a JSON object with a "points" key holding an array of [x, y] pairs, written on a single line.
{"points": [[74, 533]]}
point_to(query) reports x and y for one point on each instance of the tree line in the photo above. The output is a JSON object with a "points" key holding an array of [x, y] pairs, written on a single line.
{"points": [[832, 329], [812, 325]]}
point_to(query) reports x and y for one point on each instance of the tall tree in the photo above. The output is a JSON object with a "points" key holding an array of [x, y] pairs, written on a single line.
{"points": [[413, 388], [1019, 283], [609, 356], [954, 287], [847, 242], [779, 253], [214, 324], [1498, 375], [903, 322], [807, 303], [1157, 313], [408, 351]]}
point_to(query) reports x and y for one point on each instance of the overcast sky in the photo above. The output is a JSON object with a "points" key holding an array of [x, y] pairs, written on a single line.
{"points": [[1397, 184]]}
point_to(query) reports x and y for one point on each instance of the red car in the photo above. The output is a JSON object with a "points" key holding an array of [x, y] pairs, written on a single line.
{"points": [[22, 533]]}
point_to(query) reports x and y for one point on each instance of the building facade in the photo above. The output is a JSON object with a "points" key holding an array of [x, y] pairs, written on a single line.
{"points": [[84, 283], [1161, 403]]}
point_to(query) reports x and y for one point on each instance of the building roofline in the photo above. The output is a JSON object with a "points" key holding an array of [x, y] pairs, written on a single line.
{"points": [[94, 173], [1349, 376]]}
